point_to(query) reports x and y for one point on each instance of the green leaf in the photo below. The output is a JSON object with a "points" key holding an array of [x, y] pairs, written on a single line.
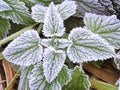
{"points": [[108, 27], [87, 46], [57, 43], [18, 14], [66, 9], [44, 2], [27, 3], [38, 13], [37, 80], [24, 81], [4, 6], [53, 23], [53, 62], [25, 49], [79, 81], [4, 27], [64, 76]]}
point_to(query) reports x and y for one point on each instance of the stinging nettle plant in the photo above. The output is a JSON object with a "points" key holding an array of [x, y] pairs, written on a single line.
{"points": [[43, 60]]}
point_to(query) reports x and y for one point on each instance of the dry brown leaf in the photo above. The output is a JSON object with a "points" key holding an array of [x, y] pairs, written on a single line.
{"points": [[108, 77], [8, 72], [2, 85]]}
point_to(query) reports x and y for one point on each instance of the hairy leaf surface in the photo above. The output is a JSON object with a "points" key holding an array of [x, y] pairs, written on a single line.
{"points": [[45, 2], [37, 80], [58, 43], [64, 76], [24, 81], [53, 23], [108, 27], [25, 49], [66, 9], [4, 6], [53, 62], [18, 14], [90, 6], [108, 5], [38, 13], [4, 27], [87, 46], [79, 81]]}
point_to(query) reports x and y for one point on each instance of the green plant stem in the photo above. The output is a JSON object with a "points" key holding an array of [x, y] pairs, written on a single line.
{"points": [[98, 85], [13, 80], [39, 28], [11, 37], [1, 56]]}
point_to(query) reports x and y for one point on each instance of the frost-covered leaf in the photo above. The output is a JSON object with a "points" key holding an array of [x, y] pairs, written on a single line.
{"points": [[53, 23], [37, 79], [27, 3], [66, 9], [64, 76], [45, 2], [38, 13], [117, 1], [90, 6], [4, 27], [58, 43], [25, 49], [108, 27], [18, 14], [53, 61], [4, 6], [108, 5], [117, 60], [79, 81], [24, 81], [87, 46]]}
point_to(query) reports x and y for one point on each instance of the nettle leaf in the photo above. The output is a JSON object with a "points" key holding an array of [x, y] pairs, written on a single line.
{"points": [[40, 1], [53, 62], [37, 80], [24, 81], [107, 27], [25, 49], [18, 14], [66, 9], [79, 81], [53, 23], [4, 6], [58, 43], [45, 2], [117, 60], [38, 13], [87, 46], [4, 27], [108, 5], [64, 76], [117, 1], [27, 3], [90, 6]]}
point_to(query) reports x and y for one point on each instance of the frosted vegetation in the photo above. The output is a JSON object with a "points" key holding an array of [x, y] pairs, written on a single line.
{"points": [[43, 59]]}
